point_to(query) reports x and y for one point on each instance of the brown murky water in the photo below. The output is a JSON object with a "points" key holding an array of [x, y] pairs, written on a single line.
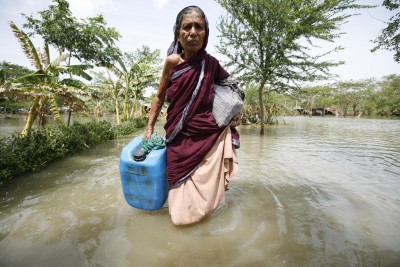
{"points": [[313, 192]]}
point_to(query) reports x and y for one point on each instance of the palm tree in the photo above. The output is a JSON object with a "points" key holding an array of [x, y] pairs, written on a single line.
{"points": [[50, 82]]}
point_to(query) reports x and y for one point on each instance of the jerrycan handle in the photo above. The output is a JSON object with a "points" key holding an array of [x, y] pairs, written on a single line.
{"points": [[156, 141]]}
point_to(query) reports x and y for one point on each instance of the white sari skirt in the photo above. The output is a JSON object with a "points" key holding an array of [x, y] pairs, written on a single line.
{"points": [[199, 195]]}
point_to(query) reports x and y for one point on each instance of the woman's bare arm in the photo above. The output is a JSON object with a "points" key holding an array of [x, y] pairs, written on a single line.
{"points": [[159, 99]]}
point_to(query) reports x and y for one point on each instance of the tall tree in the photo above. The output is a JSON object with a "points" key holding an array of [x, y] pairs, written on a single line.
{"points": [[315, 96], [349, 96], [389, 38], [48, 83], [270, 41], [388, 97], [87, 40]]}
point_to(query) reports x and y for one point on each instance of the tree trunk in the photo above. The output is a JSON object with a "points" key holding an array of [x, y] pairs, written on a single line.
{"points": [[70, 75], [69, 116], [261, 102], [33, 112], [69, 61], [97, 111], [54, 109], [117, 110], [311, 106], [133, 106], [142, 112], [125, 111], [40, 113]]}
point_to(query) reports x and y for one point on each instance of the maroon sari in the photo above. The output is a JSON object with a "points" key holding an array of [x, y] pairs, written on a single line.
{"points": [[191, 129]]}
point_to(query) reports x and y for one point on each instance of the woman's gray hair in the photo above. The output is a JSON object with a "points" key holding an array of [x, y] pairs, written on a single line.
{"points": [[186, 11], [175, 47]]}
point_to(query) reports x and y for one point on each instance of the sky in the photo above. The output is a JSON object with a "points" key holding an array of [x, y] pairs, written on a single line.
{"points": [[150, 22]]}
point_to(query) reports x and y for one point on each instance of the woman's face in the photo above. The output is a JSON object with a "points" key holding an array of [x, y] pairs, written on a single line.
{"points": [[192, 32]]}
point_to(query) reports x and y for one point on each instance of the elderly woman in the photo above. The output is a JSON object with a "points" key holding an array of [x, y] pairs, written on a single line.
{"points": [[201, 157]]}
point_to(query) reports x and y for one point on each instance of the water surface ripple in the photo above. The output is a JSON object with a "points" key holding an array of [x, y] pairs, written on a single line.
{"points": [[312, 192]]}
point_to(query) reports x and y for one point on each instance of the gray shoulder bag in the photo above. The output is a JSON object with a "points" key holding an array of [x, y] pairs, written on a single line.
{"points": [[228, 101]]}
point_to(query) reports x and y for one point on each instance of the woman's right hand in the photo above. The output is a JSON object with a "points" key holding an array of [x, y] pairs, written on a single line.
{"points": [[149, 131], [236, 120]]}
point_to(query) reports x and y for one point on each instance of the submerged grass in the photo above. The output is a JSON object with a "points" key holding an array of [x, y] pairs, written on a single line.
{"points": [[20, 155]]}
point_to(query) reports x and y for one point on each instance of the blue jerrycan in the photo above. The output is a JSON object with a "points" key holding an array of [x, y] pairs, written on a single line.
{"points": [[144, 183]]}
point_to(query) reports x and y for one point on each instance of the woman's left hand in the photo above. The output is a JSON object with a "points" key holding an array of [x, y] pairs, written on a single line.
{"points": [[235, 120]]}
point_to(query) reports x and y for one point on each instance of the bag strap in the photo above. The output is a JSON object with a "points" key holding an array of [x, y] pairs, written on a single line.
{"points": [[234, 86]]}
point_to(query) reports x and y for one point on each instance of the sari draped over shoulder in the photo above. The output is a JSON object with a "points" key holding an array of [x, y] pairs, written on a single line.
{"points": [[191, 130]]}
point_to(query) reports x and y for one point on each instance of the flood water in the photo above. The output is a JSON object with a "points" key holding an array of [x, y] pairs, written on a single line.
{"points": [[312, 192], [11, 124]]}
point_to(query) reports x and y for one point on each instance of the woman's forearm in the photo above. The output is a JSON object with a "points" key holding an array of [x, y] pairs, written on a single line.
{"points": [[155, 110]]}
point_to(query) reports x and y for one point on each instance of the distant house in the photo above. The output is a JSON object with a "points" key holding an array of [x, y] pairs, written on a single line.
{"points": [[316, 111]]}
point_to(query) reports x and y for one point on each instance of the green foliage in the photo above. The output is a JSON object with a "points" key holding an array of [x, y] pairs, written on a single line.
{"points": [[130, 126], [388, 98], [2, 77], [22, 154], [275, 108], [47, 82], [319, 96], [87, 40], [270, 41], [12, 71], [275, 105], [19, 155], [365, 97], [135, 72], [105, 94], [389, 38], [350, 96]]}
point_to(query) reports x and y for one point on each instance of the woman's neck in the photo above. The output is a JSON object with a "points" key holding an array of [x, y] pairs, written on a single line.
{"points": [[189, 55]]}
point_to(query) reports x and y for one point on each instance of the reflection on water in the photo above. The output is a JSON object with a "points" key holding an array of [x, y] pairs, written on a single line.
{"points": [[313, 192]]}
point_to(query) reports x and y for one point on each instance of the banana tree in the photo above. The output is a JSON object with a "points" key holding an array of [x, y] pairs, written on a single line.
{"points": [[135, 71], [144, 75], [109, 87], [125, 79], [50, 82]]}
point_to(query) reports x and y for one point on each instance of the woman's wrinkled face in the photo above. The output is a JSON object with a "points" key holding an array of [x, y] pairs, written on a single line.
{"points": [[192, 32]]}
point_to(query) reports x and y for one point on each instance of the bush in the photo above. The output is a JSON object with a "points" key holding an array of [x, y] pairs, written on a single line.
{"points": [[130, 126], [19, 155]]}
